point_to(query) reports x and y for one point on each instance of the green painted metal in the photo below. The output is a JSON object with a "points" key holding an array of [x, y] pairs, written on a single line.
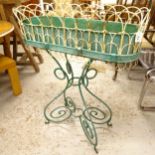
{"points": [[77, 33], [85, 53], [88, 115]]}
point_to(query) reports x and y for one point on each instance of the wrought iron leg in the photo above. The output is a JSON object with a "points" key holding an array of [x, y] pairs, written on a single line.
{"points": [[89, 115], [143, 91], [116, 72]]}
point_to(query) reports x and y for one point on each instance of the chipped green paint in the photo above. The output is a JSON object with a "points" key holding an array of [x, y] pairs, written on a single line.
{"points": [[95, 39]]}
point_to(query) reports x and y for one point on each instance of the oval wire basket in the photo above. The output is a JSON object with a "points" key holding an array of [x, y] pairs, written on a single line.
{"points": [[111, 33]]}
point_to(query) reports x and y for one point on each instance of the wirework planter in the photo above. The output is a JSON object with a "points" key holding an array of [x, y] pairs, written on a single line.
{"points": [[84, 37], [107, 33], [111, 33]]}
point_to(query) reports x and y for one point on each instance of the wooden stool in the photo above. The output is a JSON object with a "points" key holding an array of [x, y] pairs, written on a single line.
{"points": [[6, 63], [26, 57], [9, 64]]}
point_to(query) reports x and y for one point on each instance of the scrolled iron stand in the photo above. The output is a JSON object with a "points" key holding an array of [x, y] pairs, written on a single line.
{"points": [[89, 115]]}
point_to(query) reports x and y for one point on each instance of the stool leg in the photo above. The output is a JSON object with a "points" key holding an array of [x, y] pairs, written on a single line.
{"points": [[6, 46], [116, 72], [15, 47], [142, 94], [26, 48], [15, 82], [145, 85]]}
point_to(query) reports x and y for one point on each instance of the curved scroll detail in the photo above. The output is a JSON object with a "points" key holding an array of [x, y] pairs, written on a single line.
{"points": [[60, 113], [90, 132], [94, 114]]}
